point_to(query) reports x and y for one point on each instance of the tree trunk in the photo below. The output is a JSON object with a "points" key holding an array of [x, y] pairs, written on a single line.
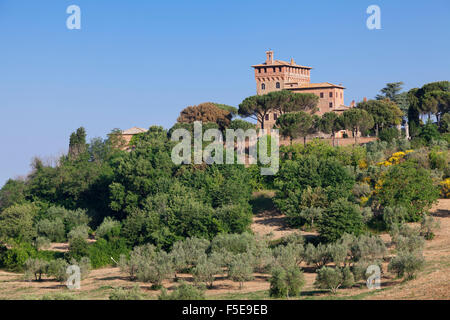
{"points": [[304, 140], [356, 136]]}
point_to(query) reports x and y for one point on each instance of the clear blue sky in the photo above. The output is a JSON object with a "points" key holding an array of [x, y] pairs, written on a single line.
{"points": [[138, 63]]}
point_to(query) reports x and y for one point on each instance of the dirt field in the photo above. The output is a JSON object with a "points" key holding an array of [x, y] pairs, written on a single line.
{"points": [[432, 283]]}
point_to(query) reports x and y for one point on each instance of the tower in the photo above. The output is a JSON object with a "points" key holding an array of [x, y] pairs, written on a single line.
{"points": [[274, 75]]}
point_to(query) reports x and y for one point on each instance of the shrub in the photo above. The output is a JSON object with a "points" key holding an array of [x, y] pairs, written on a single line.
{"points": [[337, 253], [57, 269], [407, 264], [318, 256], [368, 247], [234, 243], [188, 252], [428, 226], [261, 256], [339, 218], [102, 251], [278, 283], [78, 248], [389, 135], [155, 270], [288, 256], [134, 293], [240, 270], [183, 292], [394, 215], [417, 192], [41, 243], [35, 268], [333, 278], [16, 222], [359, 268], [109, 229], [138, 258], [14, 259], [52, 229], [205, 271], [81, 231]]}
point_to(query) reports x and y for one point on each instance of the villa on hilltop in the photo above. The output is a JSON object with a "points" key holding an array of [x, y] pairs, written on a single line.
{"points": [[275, 75]]}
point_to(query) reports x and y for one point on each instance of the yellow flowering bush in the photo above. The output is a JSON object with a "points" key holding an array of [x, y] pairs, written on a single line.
{"points": [[445, 188], [362, 164]]}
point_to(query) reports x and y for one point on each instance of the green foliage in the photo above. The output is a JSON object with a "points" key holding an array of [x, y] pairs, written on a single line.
{"points": [[241, 124], [389, 134], [78, 248], [102, 252], [318, 256], [407, 264], [16, 222], [339, 218], [14, 259], [427, 227], [409, 186], [240, 270], [52, 229], [57, 269], [35, 268], [13, 192], [109, 229], [286, 282], [296, 176], [205, 271], [394, 215], [134, 293], [333, 278], [183, 292]]}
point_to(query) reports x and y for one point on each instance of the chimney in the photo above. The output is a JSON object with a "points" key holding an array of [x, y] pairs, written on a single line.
{"points": [[352, 105], [269, 55], [365, 99], [292, 61]]}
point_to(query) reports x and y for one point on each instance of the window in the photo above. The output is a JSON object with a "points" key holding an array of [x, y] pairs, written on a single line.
{"points": [[274, 69], [331, 104], [331, 94], [321, 95], [263, 86], [275, 116], [267, 117], [278, 85]]}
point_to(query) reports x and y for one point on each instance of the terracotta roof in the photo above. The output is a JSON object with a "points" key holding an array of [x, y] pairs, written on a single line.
{"points": [[316, 85], [277, 63], [134, 130]]}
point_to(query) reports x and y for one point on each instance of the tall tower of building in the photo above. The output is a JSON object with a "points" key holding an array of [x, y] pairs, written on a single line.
{"points": [[273, 75]]}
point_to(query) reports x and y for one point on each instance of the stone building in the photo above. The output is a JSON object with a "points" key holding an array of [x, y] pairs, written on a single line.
{"points": [[274, 75], [128, 134]]}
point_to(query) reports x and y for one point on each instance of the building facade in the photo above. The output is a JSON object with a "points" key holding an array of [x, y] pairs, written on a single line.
{"points": [[275, 75]]}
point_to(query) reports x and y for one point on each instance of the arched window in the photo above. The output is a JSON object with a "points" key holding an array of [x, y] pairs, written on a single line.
{"points": [[278, 85], [263, 86]]}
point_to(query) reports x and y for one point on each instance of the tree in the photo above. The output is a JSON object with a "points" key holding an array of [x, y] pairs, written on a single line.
{"points": [[385, 113], [13, 192], [417, 192], [16, 222], [334, 278], [257, 107], [35, 268], [391, 91], [407, 264], [339, 218], [286, 282], [78, 248], [330, 123], [77, 145], [296, 124], [240, 270], [357, 120], [134, 294], [206, 271], [205, 113]]}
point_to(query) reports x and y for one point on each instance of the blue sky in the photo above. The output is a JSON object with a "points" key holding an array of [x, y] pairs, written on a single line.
{"points": [[139, 63]]}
